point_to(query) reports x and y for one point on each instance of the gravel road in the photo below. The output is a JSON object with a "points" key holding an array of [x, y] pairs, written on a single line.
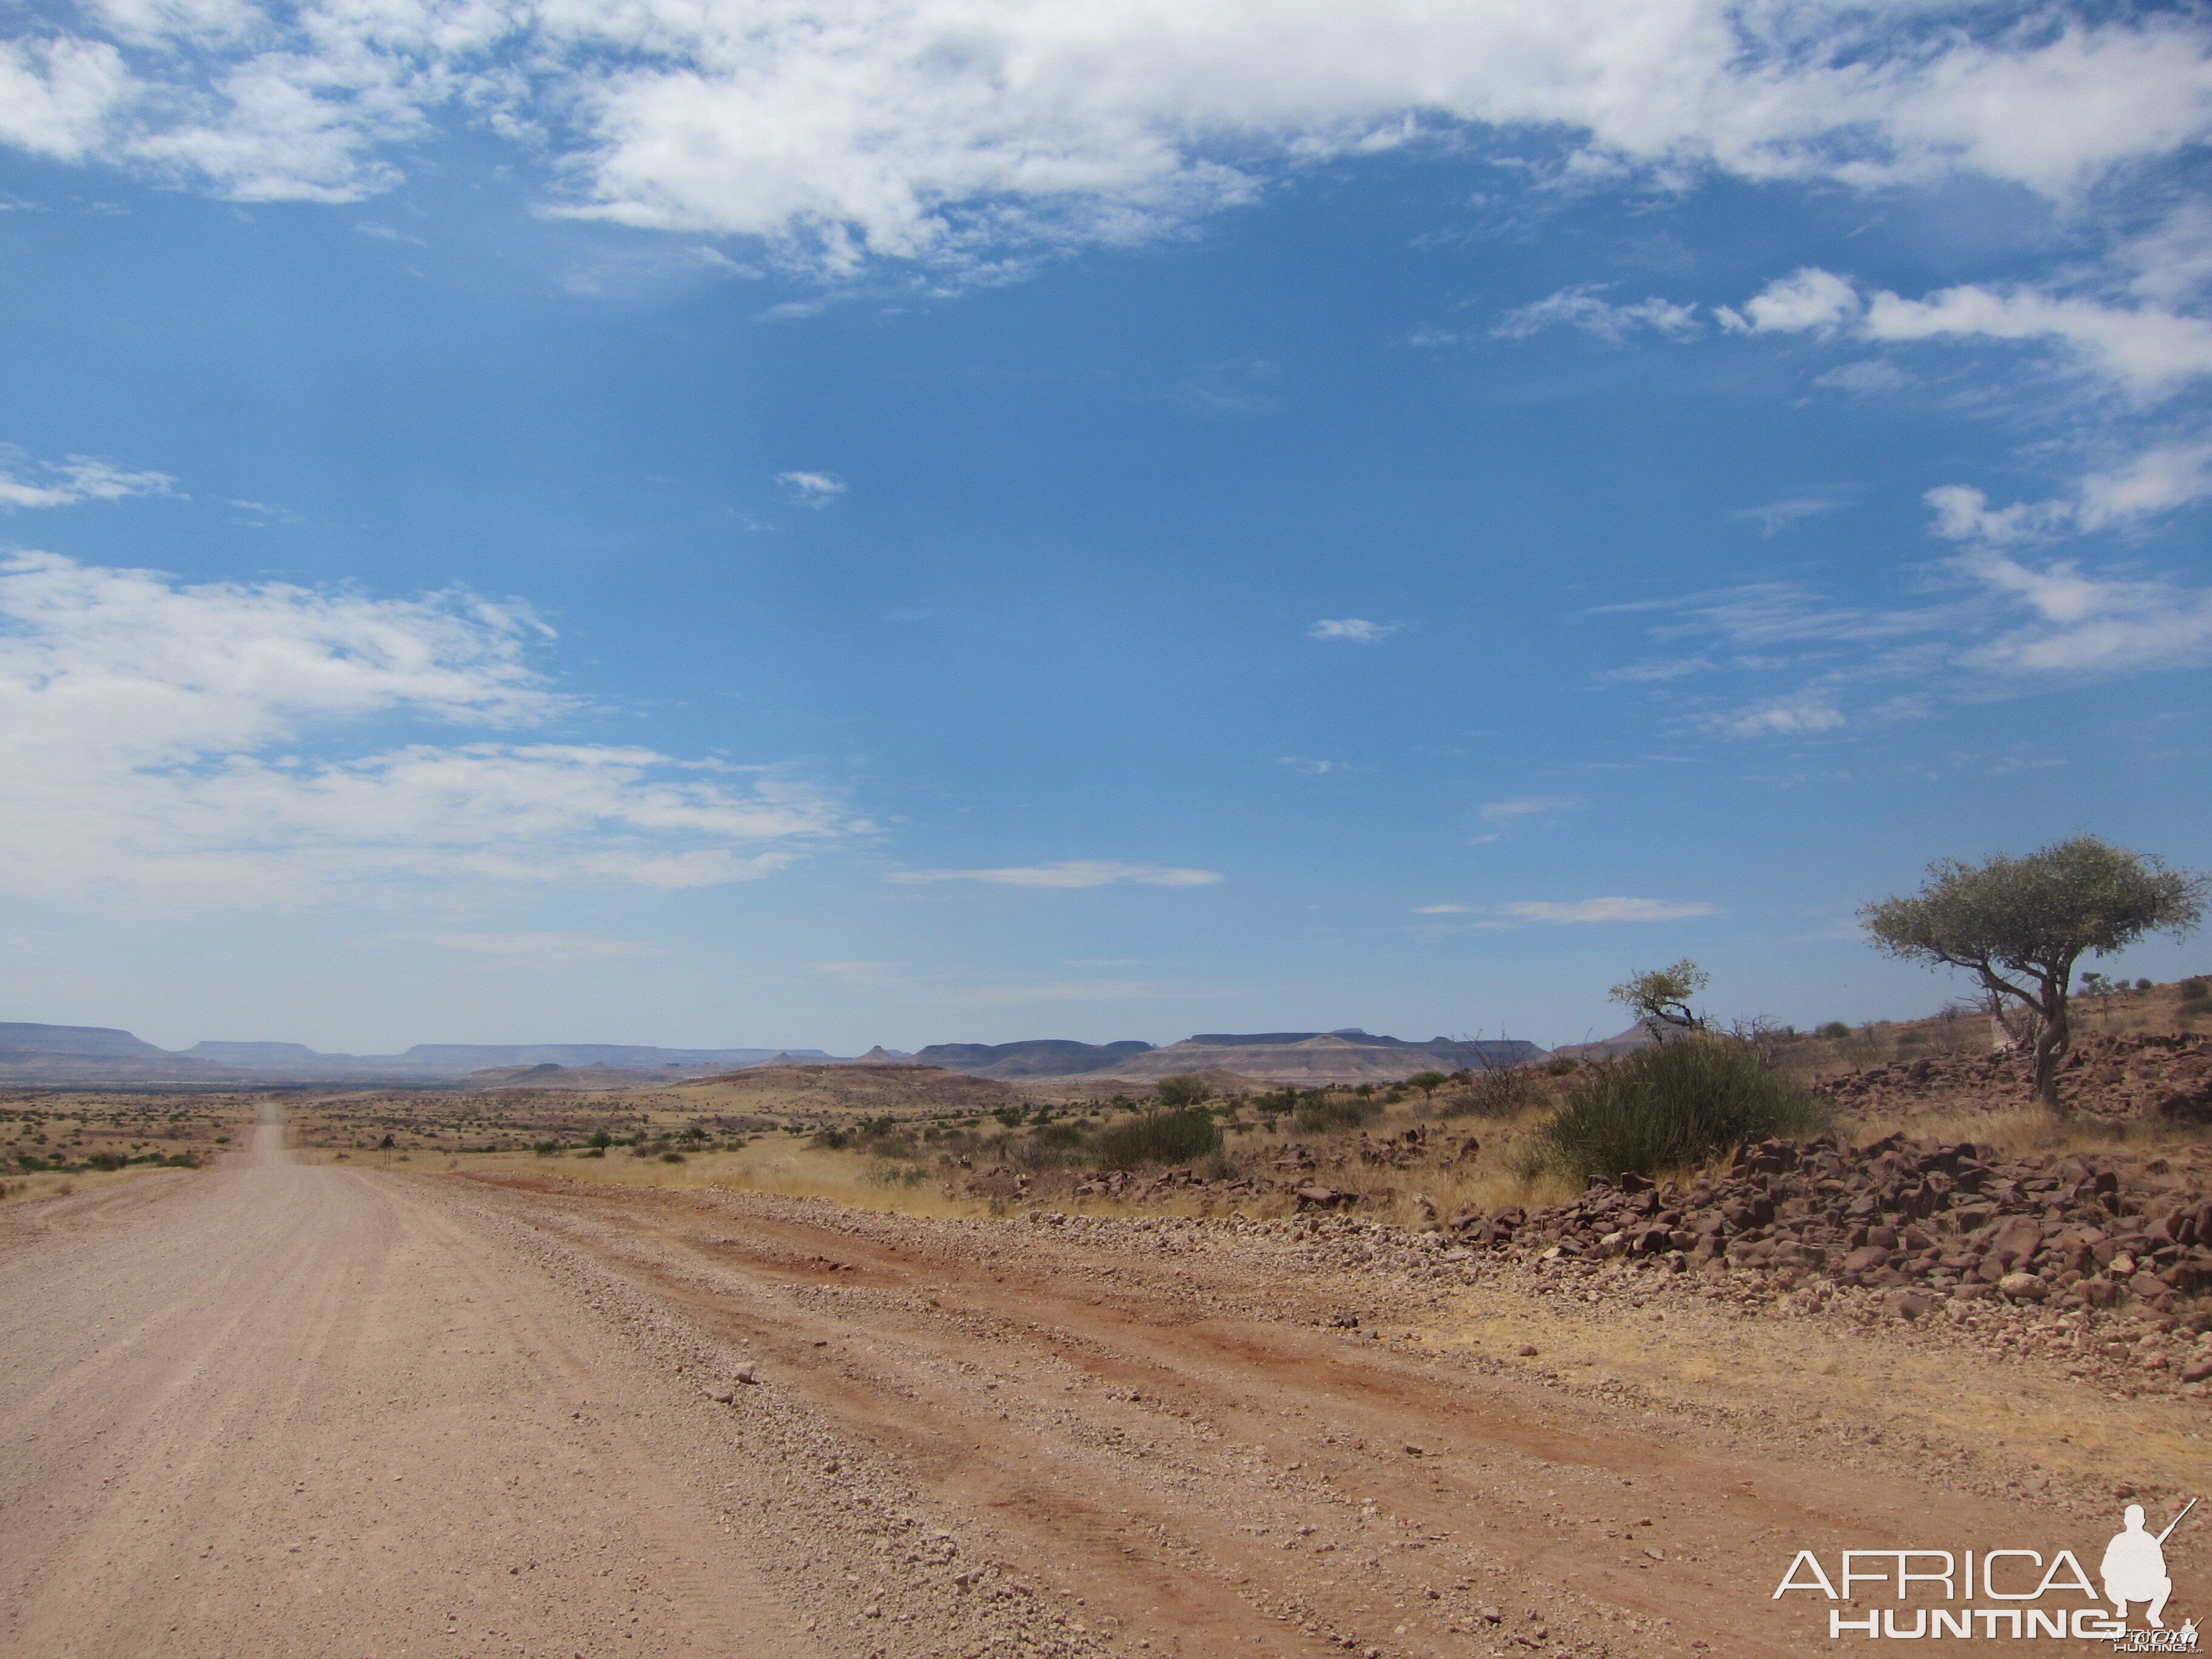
{"points": [[288, 1408]]}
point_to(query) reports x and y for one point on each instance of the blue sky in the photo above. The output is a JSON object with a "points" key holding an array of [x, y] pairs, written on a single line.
{"points": [[824, 525]]}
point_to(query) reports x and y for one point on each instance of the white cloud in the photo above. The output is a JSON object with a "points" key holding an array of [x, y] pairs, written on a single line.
{"points": [[1808, 300], [1869, 378], [2145, 350], [1776, 516], [1358, 629], [1528, 806], [59, 96], [1319, 768], [1609, 909], [1441, 909], [173, 744], [2160, 479], [2090, 625], [1802, 715], [81, 478], [1069, 873], [854, 129], [813, 489], [1581, 307]]}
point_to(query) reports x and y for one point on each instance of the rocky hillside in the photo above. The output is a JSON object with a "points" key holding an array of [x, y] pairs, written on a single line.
{"points": [[1918, 1220], [2142, 1075]]}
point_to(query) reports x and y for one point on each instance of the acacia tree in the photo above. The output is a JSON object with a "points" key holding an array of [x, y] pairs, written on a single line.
{"points": [[1660, 998], [2019, 924]]}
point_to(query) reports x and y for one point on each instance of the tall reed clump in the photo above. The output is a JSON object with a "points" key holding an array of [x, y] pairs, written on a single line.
{"points": [[1158, 1137], [1670, 1106]]}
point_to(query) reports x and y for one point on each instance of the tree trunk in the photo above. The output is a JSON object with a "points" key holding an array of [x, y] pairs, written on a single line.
{"points": [[2052, 1043]]}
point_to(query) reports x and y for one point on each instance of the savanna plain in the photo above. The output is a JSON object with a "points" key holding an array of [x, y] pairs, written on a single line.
{"points": [[885, 1362]]}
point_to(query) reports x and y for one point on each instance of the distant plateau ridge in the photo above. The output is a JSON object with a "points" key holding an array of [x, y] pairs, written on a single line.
{"points": [[87, 1056]]}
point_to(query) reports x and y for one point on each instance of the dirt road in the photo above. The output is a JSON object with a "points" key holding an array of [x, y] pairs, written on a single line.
{"points": [[288, 1409]]}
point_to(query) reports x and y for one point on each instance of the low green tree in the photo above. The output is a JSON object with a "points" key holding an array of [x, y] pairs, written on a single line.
{"points": [[1183, 1090], [2018, 925], [1427, 1081], [1660, 998]]}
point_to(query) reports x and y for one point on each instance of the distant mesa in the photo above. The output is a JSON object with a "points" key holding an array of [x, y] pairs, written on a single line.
{"points": [[1040, 1057], [1611, 1047], [69, 1055]]}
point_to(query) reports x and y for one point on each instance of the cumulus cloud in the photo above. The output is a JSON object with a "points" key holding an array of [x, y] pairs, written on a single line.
{"points": [[2160, 479], [182, 744], [1068, 873], [856, 129], [1358, 629], [1608, 909], [2145, 350], [1806, 300], [813, 489], [1582, 308], [79, 479]]}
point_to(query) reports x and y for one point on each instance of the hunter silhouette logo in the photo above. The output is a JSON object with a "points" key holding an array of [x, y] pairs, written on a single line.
{"points": [[2027, 1593]]}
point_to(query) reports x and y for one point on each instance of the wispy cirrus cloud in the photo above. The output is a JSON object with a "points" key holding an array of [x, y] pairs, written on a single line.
{"points": [[1506, 813], [1608, 911], [78, 478], [1070, 874], [1356, 630], [1584, 308], [813, 489], [1569, 911]]}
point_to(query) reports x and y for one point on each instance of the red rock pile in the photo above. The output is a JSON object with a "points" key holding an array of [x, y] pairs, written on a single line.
{"points": [[1918, 1220], [2139, 1076]]}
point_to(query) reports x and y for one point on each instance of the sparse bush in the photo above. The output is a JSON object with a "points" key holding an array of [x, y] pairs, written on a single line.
{"points": [[1158, 1137], [1183, 1090], [1499, 1094], [1318, 1113], [672, 1158], [828, 1140], [1670, 1106], [893, 1175], [1835, 1030]]}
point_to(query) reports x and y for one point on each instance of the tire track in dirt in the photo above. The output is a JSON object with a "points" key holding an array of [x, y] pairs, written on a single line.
{"points": [[1165, 1435]]}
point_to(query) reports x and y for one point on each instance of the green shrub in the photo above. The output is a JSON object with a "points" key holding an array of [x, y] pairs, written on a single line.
{"points": [[672, 1158], [1835, 1030], [1183, 1090], [1319, 1113], [1672, 1105], [546, 1148], [1560, 1065], [1158, 1137]]}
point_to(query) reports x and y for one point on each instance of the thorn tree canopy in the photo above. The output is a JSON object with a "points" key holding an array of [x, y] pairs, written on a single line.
{"points": [[1660, 997], [2019, 924]]}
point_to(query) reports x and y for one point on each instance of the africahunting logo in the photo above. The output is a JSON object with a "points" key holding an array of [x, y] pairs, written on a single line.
{"points": [[2004, 1594]]}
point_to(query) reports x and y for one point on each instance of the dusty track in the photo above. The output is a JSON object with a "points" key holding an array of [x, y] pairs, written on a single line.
{"points": [[288, 1409]]}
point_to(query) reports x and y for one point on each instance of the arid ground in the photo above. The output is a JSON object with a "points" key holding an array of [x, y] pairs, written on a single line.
{"points": [[291, 1405]]}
